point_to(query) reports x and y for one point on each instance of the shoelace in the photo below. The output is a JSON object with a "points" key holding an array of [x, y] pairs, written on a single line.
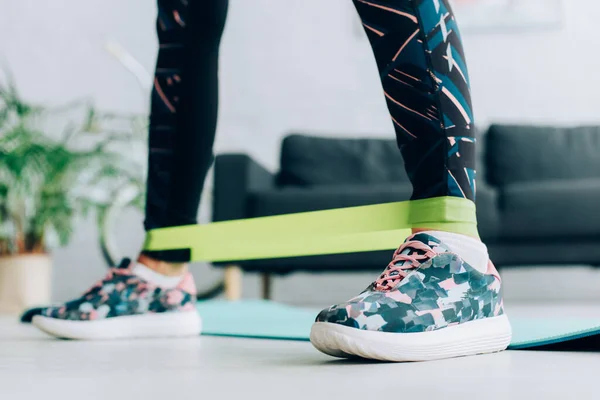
{"points": [[398, 268]]}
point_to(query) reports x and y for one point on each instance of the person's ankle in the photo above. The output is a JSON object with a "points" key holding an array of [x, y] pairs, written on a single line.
{"points": [[163, 267]]}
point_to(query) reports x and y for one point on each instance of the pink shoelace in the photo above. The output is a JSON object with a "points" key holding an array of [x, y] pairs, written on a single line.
{"points": [[398, 268]]}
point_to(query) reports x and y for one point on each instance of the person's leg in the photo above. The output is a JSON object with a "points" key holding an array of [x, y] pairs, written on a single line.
{"points": [[156, 296], [183, 117], [440, 286], [423, 71]]}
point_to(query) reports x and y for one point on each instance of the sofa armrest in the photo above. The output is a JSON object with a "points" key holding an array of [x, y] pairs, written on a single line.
{"points": [[235, 176]]}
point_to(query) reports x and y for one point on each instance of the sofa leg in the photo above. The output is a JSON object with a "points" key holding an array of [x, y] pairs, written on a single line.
{"points": [[267, 282], [233, 282]]}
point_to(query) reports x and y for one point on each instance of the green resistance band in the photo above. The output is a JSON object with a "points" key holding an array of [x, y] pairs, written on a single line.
{"points": [[342, 230]]}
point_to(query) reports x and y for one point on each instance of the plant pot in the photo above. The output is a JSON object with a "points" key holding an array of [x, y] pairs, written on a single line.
{"points": [[25, 281]]}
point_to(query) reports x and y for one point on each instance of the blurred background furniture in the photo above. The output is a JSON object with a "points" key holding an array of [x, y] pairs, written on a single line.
{"points": [[534, 204]]}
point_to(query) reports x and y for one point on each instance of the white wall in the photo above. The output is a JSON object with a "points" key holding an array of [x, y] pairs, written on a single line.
{"points": [[295, 65], [544, 77]]}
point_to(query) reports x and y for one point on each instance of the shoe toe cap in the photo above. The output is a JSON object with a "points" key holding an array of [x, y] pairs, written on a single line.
{"points": [[374, 313], [337, 315]]}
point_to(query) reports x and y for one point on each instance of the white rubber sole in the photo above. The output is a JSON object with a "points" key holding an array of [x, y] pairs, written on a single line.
{"points": [[168, 324], [482, 336]]}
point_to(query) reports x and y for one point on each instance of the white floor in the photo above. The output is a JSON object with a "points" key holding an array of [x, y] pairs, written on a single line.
{"points": [[34, 366]]}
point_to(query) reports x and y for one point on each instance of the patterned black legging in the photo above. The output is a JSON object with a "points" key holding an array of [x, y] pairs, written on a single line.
{"points": [[421, 63]]}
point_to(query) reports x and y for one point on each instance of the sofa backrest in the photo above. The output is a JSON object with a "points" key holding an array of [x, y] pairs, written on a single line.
{"points": [[310, 160], [517, 153]]}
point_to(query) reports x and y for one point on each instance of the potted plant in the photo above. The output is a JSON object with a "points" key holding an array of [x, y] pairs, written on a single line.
{"points": [[51, 172]]}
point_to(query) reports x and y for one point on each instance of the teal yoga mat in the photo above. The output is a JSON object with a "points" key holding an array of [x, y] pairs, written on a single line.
{"points": [[270, 320]]}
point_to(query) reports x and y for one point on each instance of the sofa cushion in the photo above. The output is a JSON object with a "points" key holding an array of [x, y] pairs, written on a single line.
{"points": [[348, 262], [294, 199], [557, 209], [530, 153], [307, 160]]}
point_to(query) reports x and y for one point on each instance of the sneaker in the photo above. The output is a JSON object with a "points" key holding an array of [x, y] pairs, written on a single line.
{"points": [[123, 305], [428, 304]]}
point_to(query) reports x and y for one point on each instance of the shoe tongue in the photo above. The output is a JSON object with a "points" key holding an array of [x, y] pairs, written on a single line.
{"points": [[124, 264], [407, 249], [431, 241]]}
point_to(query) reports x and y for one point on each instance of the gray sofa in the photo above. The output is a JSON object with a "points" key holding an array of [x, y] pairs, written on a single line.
{"points": [[538, 192]]}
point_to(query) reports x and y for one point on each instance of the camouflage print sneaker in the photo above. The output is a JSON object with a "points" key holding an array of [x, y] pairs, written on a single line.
{"points": [[428, 304], [123, 305]]}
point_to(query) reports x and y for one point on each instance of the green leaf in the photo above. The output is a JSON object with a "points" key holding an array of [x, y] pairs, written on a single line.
{"points": [[47, 178]]}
